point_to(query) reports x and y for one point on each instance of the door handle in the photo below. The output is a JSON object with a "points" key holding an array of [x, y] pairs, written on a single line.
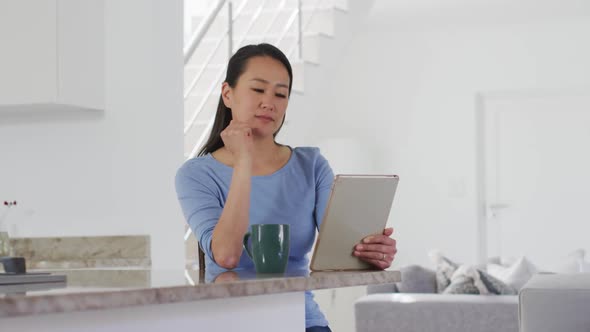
{"points": [[494, 208], [499, 206]]}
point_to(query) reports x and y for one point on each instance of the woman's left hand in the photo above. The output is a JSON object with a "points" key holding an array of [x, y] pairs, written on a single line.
{"points": [[378, 249]]}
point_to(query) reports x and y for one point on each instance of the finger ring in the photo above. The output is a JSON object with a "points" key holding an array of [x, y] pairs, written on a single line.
{"points": [[383, 257]]}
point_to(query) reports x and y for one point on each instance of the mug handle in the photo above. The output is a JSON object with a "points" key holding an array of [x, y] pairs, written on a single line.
{"points": [[246, 237]]}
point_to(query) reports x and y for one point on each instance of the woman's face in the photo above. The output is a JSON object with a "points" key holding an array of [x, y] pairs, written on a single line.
{"points": [[260, 96]]}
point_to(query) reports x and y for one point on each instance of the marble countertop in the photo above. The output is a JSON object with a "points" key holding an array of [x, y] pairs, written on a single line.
{"points": [[91, 289]]}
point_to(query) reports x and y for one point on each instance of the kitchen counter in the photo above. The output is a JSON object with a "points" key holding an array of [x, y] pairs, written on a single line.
{"points": [[91, 291]]}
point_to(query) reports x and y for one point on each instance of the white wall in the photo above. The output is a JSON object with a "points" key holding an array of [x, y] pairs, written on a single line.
{"points": [[405, 90], [108, 172]]}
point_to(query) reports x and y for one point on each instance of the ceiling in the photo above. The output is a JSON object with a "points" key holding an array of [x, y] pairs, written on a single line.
{"points": [[440, 10]]}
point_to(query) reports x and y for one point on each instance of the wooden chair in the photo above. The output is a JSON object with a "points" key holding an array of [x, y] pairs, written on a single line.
{"points": [[201, 264]]}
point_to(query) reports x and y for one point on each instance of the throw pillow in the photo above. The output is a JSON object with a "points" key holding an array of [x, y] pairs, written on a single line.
{"points": [[515, 275], [469, 280], [444, 270], [572, 263]]}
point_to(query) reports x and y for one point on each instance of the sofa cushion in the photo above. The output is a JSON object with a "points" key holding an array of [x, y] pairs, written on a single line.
{"points": [[417, 279], [555, 302], [515, 275], [566, 264], [382, 288], [436, 312]]}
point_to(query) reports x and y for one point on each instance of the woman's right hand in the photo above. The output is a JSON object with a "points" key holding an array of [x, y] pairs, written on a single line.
{"points": [[238, 139]]}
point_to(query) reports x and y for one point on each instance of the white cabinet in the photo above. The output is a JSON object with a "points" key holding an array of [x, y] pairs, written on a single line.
{"points": [[52, 52], [28, 56]]}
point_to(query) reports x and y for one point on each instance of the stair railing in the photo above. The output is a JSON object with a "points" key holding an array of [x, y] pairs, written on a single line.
{"points": [[302, 27], [196, 38], [195, 42]]}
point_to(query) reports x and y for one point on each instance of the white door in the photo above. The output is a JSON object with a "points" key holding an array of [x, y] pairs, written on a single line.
{"points": [[538, 176]]}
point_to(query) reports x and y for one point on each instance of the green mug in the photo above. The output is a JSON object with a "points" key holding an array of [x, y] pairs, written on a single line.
{"points": [[270, 247]]}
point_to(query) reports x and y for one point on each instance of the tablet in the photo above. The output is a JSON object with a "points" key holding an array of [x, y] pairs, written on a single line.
{"points": [[359, 206]]}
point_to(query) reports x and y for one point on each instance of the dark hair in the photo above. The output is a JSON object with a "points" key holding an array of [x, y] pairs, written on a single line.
{"points": [[235, 69]]}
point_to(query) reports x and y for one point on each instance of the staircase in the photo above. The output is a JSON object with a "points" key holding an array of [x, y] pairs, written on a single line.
{"points": [[326, 25]]}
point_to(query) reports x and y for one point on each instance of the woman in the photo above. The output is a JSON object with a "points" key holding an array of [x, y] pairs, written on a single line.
{"points": [[242, 176]]}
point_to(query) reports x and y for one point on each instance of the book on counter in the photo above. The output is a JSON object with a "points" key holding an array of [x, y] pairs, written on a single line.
{"points": [[30, 278]]}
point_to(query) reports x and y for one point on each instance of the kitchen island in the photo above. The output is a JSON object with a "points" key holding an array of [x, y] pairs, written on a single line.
{"points": [[173, 300]]}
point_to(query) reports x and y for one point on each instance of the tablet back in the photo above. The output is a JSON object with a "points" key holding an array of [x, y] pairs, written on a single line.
{"points": [[359, 206]]}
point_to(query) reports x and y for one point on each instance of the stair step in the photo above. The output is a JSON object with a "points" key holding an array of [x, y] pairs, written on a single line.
{"points": [[298, 76], [209, 42], [312, 47], [289, 43], [315, 21]]}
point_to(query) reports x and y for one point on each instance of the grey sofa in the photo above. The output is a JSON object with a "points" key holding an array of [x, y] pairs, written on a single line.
{"points": [[555, 302], [413, 305]]}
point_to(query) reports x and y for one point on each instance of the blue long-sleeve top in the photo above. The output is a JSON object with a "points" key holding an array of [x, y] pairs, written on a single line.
{"points": [[296, 194]]}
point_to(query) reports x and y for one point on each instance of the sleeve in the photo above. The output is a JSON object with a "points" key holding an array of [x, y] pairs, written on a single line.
{"points": [[200, 205], [324, 176]]}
